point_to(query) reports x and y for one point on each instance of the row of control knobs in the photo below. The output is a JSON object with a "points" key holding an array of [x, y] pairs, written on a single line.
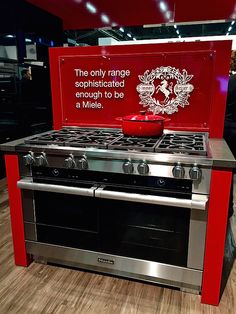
{"points": [[142, 168], [178, 171], [81, 163], [70, 162], [195, 173], [41, 161]]}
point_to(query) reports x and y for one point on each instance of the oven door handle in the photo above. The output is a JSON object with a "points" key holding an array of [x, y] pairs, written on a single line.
{"points": [[28, 184], [196, 202]]}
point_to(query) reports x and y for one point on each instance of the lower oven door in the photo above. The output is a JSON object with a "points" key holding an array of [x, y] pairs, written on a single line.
{"points": [[117, 230]]}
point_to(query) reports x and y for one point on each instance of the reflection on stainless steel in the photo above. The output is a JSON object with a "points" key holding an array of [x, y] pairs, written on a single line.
{"points": [[196, 243], [124, 266], [30, 231], [221, 154]]}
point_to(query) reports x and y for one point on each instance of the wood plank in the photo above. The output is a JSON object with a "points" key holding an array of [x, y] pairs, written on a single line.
{"points": [[3, 198], [233, 218], [3, 193], [3, 183], [51, 289]]}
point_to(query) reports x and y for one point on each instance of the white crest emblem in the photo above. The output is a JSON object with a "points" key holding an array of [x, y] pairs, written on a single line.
{"points": [[172, 83]]}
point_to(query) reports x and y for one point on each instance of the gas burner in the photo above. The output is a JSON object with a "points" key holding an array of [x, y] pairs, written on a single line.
{"points": [[104, 133], [54, 138], [97, 141], [77, 137], [181, 146], [188, 143], [176, 140], [73, 132], [141, 144]]}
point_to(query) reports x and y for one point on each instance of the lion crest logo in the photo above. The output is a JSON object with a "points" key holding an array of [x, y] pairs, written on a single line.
{"points": [[172, 91]]}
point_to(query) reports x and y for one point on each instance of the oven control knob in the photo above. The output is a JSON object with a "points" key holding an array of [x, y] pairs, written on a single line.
{"points": [[28, 160], [195, 173], [143, 168], [82, 164], [128, 167], [41, 161], [69, 163], [178, 171]]}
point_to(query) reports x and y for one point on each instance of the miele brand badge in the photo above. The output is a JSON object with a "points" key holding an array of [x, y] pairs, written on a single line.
{"points": [[106, 261], [168, 93]]}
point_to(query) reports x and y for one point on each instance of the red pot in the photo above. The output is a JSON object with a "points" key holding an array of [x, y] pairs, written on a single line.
{"points": [[143, 125]]}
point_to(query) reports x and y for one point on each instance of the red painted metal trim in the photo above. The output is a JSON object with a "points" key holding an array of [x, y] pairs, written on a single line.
{"points": [[215, 236], [17, 224]]}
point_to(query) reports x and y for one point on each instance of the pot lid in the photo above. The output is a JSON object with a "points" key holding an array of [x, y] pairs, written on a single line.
{"points": [[143, 117]]}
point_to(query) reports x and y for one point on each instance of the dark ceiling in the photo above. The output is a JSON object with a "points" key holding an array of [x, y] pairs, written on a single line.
{"points": [[84, 14], [90, 36], [46, 29]]}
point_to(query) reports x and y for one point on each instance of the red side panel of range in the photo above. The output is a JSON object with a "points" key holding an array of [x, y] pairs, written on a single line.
{"points": [[215, 236], [17, 223]]}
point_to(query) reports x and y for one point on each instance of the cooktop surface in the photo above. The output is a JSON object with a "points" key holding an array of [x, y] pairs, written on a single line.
{"points": [[114, 139]]}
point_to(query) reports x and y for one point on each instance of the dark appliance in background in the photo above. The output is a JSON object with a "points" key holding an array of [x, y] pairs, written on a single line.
{"points": [[26, 110], [25, 106], [9, 127], [35, 101], [20, 15]]}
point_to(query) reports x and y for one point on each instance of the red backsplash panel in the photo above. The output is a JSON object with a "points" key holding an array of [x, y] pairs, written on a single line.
{"points": [[186, 82]]}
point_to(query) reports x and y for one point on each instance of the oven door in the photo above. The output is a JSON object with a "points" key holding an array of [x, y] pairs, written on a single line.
{"points": [[156, 225], [60, 214], [145, 231], [124, 221]]}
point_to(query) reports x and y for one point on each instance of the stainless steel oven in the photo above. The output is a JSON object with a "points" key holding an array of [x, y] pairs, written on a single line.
{"points": [[144, 227]]}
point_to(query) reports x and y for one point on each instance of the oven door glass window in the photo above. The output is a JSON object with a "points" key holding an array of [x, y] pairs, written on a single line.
{"points": [[68, 220], [145, 231]]}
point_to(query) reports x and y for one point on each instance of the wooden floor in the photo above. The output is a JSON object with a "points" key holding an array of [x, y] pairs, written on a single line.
{"points": [[49, 289]]}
